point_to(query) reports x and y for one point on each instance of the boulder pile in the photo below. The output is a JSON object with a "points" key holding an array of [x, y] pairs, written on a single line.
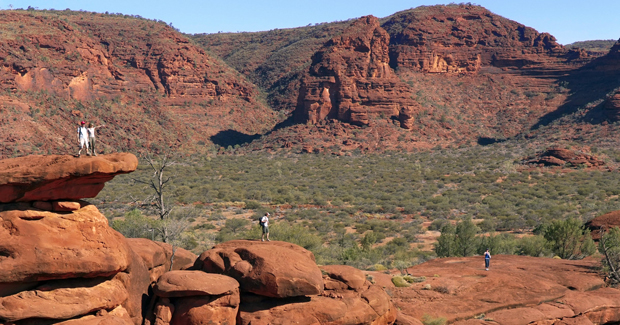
{"points": [[59, 259], [252, 282]]}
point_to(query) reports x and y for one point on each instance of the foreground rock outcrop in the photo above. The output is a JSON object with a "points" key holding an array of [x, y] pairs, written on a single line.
{"points": [[271, 269], [49, 178]]}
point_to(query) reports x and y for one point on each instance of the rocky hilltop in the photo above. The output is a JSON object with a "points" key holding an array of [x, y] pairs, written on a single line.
{"points": [[453, 75]]}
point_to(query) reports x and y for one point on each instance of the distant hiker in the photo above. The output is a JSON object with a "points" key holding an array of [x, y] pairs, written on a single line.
{"points": [[91, 137], [487, 259], [83, 138], [264, 223]]}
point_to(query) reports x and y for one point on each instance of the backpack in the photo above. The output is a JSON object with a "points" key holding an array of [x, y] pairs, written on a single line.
{"points": [[260, 220]]}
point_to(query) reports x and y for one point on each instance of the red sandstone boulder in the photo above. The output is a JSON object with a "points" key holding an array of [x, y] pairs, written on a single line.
{"points": [[603, 222], [352, 277], [65, 206], [39, 245], [63, 299], [46, 178], [272, 269], [194, 283], [199, 298], [117, 316], [157, 256], [369, 305], [137, 281]]}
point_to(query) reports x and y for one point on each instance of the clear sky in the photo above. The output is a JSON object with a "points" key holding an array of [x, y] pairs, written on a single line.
{"points": [[567, 20]]}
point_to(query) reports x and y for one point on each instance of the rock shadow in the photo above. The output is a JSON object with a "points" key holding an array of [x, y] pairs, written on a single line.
{"points": [[232, 137], [588, 87], [485, 141]]}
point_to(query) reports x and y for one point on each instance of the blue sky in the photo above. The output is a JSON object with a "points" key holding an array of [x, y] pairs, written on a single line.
{"points": [[567, 20]]}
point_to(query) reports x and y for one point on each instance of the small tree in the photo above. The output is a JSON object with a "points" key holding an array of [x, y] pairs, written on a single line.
{"points": [[158, 183], [609, 246], [446, 246], [566, 238], [465, 237]]}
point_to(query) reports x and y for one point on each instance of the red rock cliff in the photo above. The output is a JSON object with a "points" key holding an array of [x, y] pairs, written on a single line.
{"points": [[350, 78]]}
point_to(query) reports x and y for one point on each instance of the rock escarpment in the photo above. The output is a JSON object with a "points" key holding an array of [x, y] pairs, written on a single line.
{"points": [[350, 78]]}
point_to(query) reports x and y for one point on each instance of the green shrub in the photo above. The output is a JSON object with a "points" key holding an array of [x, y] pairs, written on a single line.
{"points": [[429, 320], [399, 282], [252, 205]]}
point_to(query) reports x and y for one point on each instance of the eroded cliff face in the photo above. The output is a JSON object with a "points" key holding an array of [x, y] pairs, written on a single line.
{"points": [[354, 75], [87, 58], [350, 78], [464, 39]]}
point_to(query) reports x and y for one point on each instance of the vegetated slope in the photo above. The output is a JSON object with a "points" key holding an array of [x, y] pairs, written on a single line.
{"points": [[594, 45], [145, 81], [474, 77], [273, 60]]}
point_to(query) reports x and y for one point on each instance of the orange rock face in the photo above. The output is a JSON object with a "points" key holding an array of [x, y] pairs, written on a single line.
{"points": [[48, 178], [350, 78], [603, 222], [348, 300], [199, 298], [65, 300], [272, 269], [463, 39], [39, 245], [194, 283], [157, 255]]}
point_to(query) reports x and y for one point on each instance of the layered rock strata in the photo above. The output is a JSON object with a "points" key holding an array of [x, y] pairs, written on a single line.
{"points": [[350, 78]]}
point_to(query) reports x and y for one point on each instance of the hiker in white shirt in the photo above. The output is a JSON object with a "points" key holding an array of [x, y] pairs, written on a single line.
{"points": [[83, 138], [91, 137], [264, 222]]}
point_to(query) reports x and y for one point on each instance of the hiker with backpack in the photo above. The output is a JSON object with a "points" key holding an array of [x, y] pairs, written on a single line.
{"points": [[264, 223]]}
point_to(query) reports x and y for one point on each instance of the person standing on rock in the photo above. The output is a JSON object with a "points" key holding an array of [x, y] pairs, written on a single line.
{"points": [[264, 223], [91, 137], [83, 138], [487, 259]]}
